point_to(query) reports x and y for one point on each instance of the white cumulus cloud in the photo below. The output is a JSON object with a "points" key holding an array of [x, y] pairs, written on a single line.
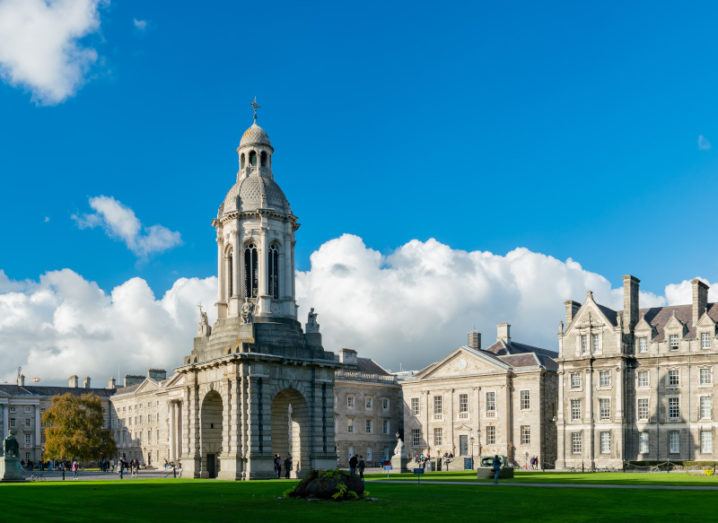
{"points": [[40, 45], [139, 24], [63, 325], [410, 306], [120, 222]]}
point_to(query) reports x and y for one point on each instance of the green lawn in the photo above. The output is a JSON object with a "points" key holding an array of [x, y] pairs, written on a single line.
{"points": [[212, 501], [612, 478]]}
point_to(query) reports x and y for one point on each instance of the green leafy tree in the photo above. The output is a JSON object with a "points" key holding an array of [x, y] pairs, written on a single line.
{"points": [[74, 428]]}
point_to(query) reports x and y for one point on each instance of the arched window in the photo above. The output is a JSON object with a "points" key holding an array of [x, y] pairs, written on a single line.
{"points": [[263, 159], [241, 161], [251, 280], [273, 264], [230, 274], [252, 158]]}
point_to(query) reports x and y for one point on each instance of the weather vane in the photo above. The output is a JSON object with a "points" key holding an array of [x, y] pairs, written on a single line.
{"points": [[255, 106]]}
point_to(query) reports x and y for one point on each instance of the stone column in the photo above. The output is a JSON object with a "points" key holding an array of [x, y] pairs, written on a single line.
{"points": [[221, 299], [560, 424], [589, 413], [263, 298], [509, 420], [287, 266], [38, 429], [451, 422], [5, 421], [237, 262], [172, 431], [619, 439]]}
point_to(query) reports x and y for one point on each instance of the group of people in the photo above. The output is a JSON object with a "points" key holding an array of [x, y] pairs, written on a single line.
{"points": [[534, 463], [278, 465], [357, 464], [133, 465]]}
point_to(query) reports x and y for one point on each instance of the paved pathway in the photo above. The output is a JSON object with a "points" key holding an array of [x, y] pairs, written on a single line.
{"points": [[556, 485], [96, 476]]}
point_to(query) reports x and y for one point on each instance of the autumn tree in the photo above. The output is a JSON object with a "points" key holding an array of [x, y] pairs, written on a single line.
{"points": [[74, 428]]}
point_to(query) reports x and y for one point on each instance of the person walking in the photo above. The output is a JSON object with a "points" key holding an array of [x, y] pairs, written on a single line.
{"points": [[362, 466], [75, 468], [278, 466], [353, 461], [287, 465], [121, 464], [496, 467]]}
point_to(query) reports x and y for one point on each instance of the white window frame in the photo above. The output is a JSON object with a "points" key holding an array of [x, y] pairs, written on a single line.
{"points": [[525, 434], [706, 341], [350, 401], [575, 380], [674, 377], [705, 376], [604, 382], [525, 399], [490, 435], [642, 373], [642, 409], [369, 426], [706, 442], [705, 407], [644, 443], [603, 412], [490, 404], [674, 342], [463, 405], [583, 343], [438, 402], [642, 344], [368, 402], [385, 403], [576, 442], [605, 442], [674, 442], [415, 407], [438, 436], [575, 405], [596, 343], [674, 402], [350, 426], [416, 437]]}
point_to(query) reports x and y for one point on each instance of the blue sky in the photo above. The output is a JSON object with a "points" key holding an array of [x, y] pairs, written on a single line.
{"points": [[571, 129]]}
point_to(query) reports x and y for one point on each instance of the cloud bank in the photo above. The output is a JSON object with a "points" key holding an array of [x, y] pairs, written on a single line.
{"points": [[40, 45], [409, 307], [120, 222]]}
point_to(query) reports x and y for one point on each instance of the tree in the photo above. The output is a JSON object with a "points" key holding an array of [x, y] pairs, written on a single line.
{"points": [[74, 428]]}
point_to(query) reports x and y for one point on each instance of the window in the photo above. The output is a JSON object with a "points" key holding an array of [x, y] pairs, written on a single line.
{"points": [[673, 341], [273, 263], [416, 437], [604, 408], [576, 443], [12, 409], [490, 404], [575, 409], [490, 435], [230, 273], [643, 378], [674, 409], [385, 426], [605, 442], [241, 161], [596, 342], [575, 380], [642, 409], [350, 426], [252, 158], [12, 422], [584, 343], [525, 399], [674, 442], [28, 410], [415, 406], [705, 340], [369, 426], [525, 435], [263, 158], [27, 422], [437, 436], [706, 442], [350, 402], [604, 378], [706, 407], [385, 403], [705, 376], [251, 272], [438, 406], [643, 443], [673, 377], [368, 403], [642, 344], [463, 405], [27, 439], [369, 454]]}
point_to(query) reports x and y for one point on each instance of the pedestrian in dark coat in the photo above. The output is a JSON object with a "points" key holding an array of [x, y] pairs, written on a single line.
{"points": [[361, 466], [353, 462], [287, 466]]}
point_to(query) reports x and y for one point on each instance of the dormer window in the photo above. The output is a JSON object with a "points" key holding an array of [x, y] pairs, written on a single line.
{"points": [[596, 342], [584, 343], [673, 341], [705, 340], [642, 344]]}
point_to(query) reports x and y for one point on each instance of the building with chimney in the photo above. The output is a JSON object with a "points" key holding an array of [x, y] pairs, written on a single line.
{"points": [[484, 401], [636, 384]]}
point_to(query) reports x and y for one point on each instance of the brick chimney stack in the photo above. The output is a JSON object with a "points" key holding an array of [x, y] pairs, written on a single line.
{"points": [[700, 300], [630, 302]]}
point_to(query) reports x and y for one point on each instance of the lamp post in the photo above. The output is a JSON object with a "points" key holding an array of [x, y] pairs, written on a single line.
{"points": [[471, 439]]}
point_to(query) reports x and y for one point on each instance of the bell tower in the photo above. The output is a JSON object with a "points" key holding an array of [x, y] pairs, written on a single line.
{"points": [[255, 237]]}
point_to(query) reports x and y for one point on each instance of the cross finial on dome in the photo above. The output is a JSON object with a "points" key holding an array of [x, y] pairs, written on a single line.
{"points": [[255, 106]]}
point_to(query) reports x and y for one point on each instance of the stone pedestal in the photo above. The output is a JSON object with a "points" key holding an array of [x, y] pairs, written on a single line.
{"points": [[10, 469], [399, 463]]}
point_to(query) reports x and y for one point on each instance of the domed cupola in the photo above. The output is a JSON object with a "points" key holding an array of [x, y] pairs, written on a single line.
{"points": [[255, 135]]}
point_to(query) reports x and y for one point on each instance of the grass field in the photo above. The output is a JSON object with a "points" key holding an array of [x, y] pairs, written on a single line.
{"points": [[210, 501]]}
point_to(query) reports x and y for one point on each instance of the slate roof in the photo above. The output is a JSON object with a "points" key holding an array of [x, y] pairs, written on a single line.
{"points": [[39, 390], [371, 367]]}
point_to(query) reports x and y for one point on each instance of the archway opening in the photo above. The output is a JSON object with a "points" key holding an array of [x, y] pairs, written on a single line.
{"points": [[211, 433], [290, 431]]}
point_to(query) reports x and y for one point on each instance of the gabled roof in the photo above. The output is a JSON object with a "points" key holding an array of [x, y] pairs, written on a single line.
{"points": [[658, 317], [42, 390]]}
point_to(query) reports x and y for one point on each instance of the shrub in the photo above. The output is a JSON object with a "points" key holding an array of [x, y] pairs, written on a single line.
{"points": [[337, 484]]}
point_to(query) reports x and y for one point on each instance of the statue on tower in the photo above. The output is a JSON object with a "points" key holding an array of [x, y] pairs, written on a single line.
{"points": [[203, 328], [247, 312], [312, 327]]}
